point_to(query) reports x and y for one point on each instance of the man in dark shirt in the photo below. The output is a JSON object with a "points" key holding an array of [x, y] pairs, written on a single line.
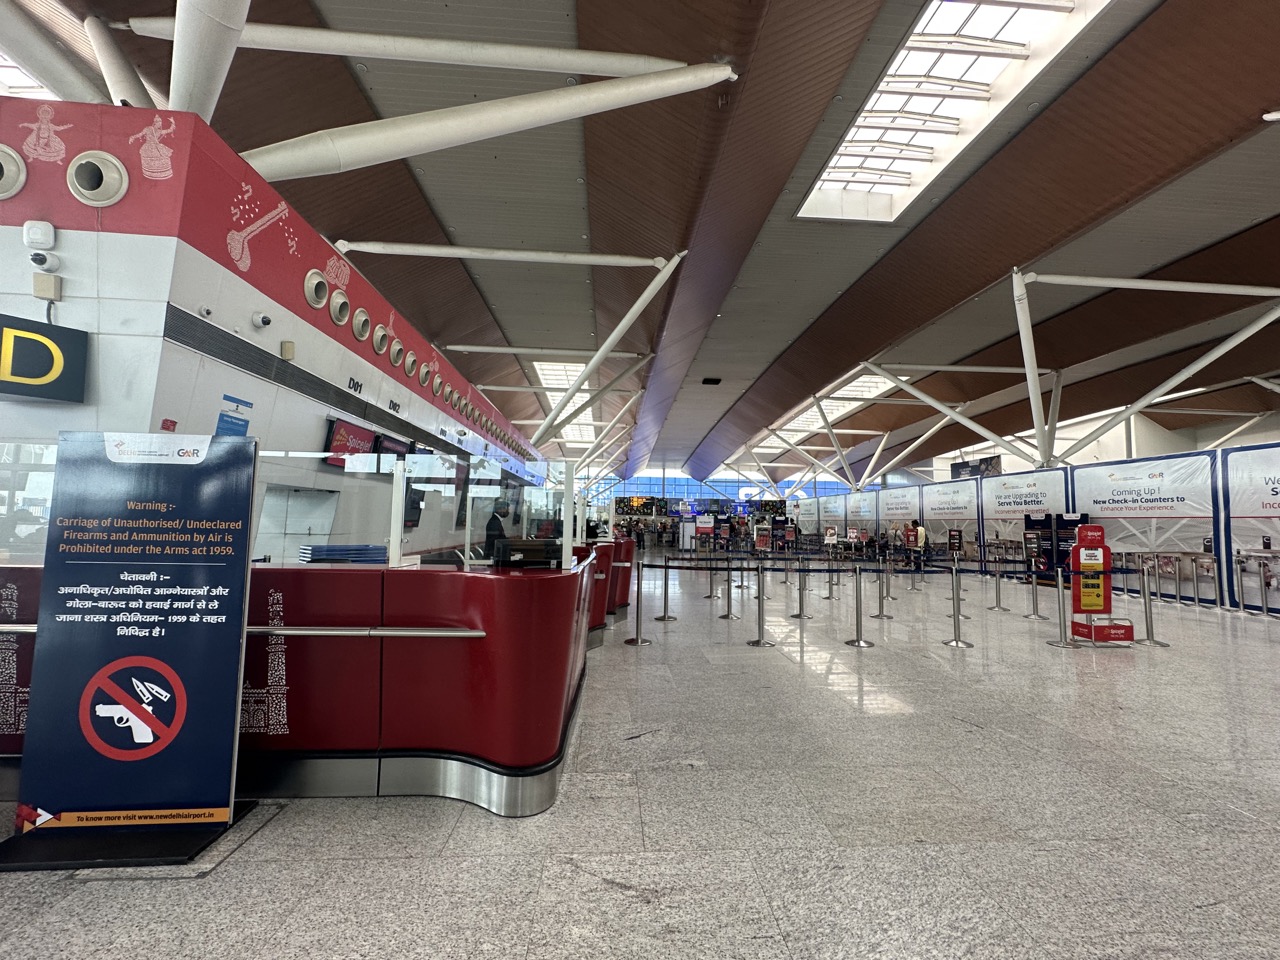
{"points": [[494, 530]]}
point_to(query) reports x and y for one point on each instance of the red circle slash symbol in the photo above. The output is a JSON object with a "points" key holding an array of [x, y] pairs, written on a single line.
{"points": [[117, 708]]}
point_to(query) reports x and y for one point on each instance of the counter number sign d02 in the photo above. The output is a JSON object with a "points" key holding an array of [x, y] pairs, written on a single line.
{"points": [[135, 691]]}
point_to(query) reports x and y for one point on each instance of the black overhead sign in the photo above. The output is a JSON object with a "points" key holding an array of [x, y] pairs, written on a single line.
{"points": [[41, 361]]}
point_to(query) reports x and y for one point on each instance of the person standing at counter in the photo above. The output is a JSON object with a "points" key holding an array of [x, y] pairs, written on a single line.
{"points": [[494, 530]]}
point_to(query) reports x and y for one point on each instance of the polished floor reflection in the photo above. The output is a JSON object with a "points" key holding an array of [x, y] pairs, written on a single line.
{"points": [[808, 800]]}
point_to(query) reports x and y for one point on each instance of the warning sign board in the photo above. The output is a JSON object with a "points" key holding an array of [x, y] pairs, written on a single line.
{"points": [[125, 717], [135, 685]]}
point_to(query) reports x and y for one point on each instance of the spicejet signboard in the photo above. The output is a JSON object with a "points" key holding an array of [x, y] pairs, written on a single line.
{"points": [[41, 361]]}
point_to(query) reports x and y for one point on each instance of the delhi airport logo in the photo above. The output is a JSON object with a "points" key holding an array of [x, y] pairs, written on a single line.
{"points": [[1120, 478], [1018, 486]]}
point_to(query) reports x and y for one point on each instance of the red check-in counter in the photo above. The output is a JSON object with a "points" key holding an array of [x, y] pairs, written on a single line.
{"points": [[623, 559], [601, 582], [19, 603], [353, 685], [458, 684]]}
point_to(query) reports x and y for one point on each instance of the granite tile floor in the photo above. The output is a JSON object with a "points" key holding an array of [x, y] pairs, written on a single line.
{"points": [[808, 800]]}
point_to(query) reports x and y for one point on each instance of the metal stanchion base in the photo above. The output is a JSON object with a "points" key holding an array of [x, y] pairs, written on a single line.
{"points": [[830, 597], [712, 596], [664, 619], [766, 596], [801, 616], [760, 643], [1034, 616], [959, 644], [859, 643], [963, 616], [1148, 642], [741, 586], [729, 616], [881, 616], [637, 642], [1065, 644]]}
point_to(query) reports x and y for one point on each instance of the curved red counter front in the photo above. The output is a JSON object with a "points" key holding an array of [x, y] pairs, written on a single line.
{"points": [[367, 707], [601, 582], [623, 558]]}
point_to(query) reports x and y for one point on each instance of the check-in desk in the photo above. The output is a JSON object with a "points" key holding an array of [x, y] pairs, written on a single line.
{"points": [[423, 682], [364, 681], [601, 581], [624, 556]]}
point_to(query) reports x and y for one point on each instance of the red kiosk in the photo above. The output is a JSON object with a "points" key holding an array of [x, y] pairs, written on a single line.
{"points": [[1091, 590]]}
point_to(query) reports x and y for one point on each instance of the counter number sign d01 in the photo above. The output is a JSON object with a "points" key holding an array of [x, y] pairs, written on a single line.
{"points": [[135, 690]]}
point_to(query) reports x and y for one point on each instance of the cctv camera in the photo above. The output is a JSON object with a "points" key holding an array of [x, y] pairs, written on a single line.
{"points": [[261, 320], [48, 262]]}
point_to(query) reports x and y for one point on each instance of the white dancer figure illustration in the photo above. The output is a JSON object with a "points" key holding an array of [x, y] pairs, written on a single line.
{"points": [[337, 271], [156, 164], [238, 240], [44, 142]]}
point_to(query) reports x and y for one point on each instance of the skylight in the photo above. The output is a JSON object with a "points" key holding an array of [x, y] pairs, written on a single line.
{"points": [[962, 65], [838, 404], [16, 82], [562, 375]]}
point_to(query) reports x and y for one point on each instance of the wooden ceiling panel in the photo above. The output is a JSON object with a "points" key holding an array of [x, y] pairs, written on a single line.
{"points": [[1189, 81], [735, 145]]}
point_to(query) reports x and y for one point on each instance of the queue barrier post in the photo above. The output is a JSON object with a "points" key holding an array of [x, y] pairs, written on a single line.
{"points": [[1035, 613], [1064, 640], [831, 588], [955, 597], [857, 640], [999, 606], [888, 581], [728, 594], [760, 641], [638, 640], [804, 587], [666, 591], [956, 615], [1150, 639], [882, 590]]}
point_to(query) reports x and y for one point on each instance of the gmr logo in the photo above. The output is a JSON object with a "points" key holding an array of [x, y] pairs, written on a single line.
{"points": [[189, 453]]}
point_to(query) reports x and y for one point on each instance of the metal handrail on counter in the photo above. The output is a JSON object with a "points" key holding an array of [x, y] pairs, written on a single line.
{"points": [[445, 633]]}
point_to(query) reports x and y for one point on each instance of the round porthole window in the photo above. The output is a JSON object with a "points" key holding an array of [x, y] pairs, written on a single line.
{"points": [[410, 362], [315, 288], [339, 308], [360, 324], [380, 339], [98, 179], [13, 172], [437, 384], [424, 376], [397, 352], [448, 392]]}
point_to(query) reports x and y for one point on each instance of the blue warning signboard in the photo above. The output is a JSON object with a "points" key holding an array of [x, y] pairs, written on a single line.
{"points": [[135, 688]]}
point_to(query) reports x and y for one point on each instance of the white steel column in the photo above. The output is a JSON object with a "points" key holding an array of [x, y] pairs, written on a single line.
{"points": [[538, 352], [123, 82], [848, 471], [911, 448], [1238, 430], [379, 141], [450, 252], [872, 462], [26, 44], [765, 473], [1027, 338], [205, 33], [612, 423], [610, 342], [471, 53], [566, 516], [955, 415], [1186, 373], [1265, 384], [1168, 286], [591, 400], [1055, 405], [812, 459]]}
